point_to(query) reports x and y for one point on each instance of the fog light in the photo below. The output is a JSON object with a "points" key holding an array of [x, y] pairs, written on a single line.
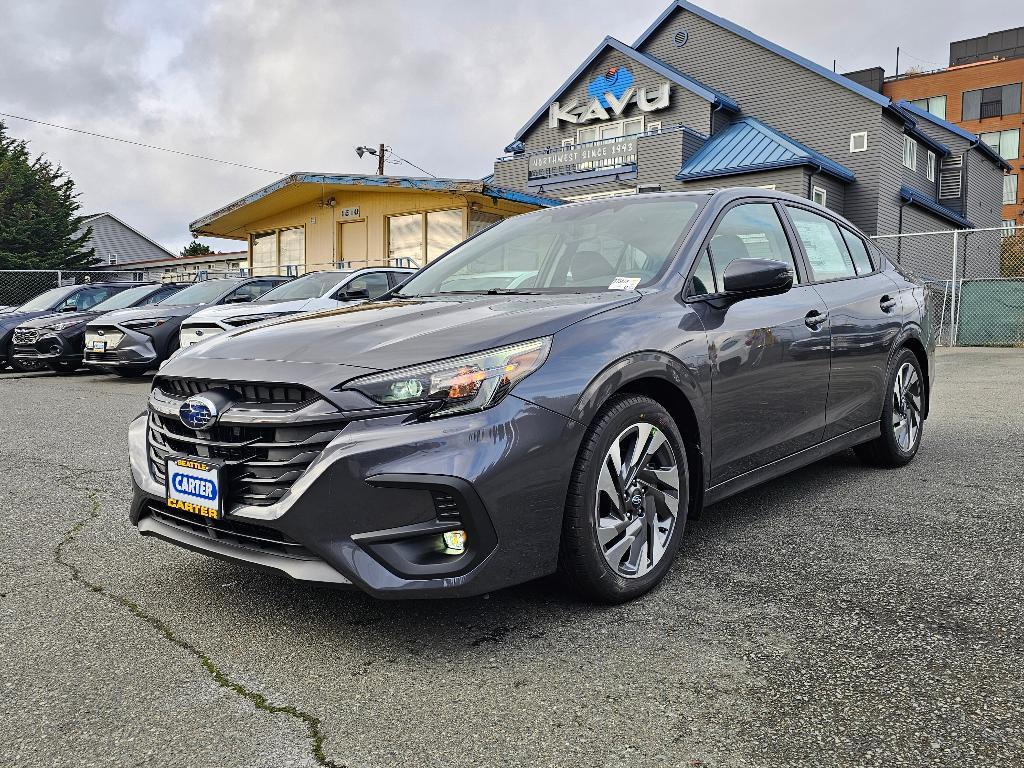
{"points": [[454, 542]]}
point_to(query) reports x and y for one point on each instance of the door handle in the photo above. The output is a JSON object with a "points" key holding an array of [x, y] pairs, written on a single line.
{"points": [[887, 303], [815, 318]]}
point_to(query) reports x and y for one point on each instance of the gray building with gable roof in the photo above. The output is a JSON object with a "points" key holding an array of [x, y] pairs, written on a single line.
{"points": [[698, 102]]}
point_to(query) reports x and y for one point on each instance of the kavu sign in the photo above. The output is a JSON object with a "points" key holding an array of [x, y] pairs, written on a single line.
{"points": [[610, 94]]}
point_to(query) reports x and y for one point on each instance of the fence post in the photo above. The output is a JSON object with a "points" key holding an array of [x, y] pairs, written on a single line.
{"points": [[59, 278], [954, 308]]}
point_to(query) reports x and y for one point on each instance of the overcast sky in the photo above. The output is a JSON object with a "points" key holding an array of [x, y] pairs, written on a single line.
{"points": [[296, 84]]}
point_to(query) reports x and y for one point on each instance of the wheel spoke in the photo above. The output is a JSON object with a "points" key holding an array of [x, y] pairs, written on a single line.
{"points": [[615, 552], [607, 483], [664, 504], [638, 551], [608, 529]]}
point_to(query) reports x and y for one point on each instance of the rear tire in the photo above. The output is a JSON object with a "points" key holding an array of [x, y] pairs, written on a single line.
{"points": [[627, 502], [902, 415]]}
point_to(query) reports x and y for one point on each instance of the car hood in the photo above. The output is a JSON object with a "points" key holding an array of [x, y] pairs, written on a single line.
{"points": [[246, 309], [10, 320], [60, 317], [390, 334], [145, 313]]}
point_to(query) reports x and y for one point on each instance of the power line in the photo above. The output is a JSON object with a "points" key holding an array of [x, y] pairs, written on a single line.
{"points": [[141, 144]]}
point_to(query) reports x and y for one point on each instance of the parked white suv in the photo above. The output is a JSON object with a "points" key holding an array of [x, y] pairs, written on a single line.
{"points": [[311, 292]]}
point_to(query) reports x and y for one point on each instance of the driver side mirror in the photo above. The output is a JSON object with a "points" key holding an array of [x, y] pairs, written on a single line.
{"points": [[763, 277]]}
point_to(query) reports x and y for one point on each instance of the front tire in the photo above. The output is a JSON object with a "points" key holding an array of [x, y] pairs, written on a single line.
{"points": [[902, 416], [627, 502]]}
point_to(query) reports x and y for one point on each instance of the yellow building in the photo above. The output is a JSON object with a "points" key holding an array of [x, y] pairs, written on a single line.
{"points": [[310, 221]]}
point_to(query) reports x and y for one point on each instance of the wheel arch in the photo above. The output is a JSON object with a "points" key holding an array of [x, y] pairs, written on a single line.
{"points": [[673, 385], [910, 338]]}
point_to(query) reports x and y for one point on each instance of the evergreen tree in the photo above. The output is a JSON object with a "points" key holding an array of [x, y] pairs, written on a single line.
{"points": [[195, 248], [39, 221]]}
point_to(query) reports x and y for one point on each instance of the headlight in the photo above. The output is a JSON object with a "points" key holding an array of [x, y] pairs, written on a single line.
{"points": [[151, 322], [250, 319], [63, 325], [459, 384]]}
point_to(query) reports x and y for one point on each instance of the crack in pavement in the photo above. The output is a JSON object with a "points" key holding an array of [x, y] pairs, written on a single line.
{"points": [[258, 699]]}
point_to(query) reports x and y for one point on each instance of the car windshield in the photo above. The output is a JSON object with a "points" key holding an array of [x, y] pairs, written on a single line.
{"points": [[200, 293], [621, 243], [123, 299], [311, 286], [47, 299]]}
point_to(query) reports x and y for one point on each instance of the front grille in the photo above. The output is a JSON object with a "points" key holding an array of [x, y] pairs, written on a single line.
{"points": [[25, 335], [250, 393], [262, 460], [237, 532]]}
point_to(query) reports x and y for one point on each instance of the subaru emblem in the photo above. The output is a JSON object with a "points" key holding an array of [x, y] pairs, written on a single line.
{"points": [[198, 413]]}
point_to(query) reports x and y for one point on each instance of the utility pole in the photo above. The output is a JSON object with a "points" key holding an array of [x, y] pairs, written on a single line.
{"points": [[380, 160]]}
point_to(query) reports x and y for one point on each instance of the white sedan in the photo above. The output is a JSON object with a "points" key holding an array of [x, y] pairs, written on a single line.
{"points": [[309, 293]]}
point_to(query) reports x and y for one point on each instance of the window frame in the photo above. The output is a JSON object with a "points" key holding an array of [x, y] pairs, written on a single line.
{"points": [[931, 160], [909, 152], [824, 196], [928, 104], [799, 267], [1015, 185], [854, 136], [876, 262], [424, 234]]}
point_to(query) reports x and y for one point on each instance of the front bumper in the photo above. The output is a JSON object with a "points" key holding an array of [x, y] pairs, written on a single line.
{"points": [[49, 347], [124, 348], [366, 510]]}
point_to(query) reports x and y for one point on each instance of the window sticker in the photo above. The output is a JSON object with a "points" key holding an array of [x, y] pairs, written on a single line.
{"points": [[822, 250], [624, 284]]}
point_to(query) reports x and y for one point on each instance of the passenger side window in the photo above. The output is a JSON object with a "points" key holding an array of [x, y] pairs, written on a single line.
{"points": [[250, 291], [858, 252], [826, 250], [750, 231], [90, 297], [374, 283]]}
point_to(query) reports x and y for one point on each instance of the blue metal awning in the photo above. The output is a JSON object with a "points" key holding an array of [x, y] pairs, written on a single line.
{"points": [[748, 146], [911, 195]]}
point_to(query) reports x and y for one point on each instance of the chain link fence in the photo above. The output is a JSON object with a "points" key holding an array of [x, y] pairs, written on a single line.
{"points": [[976, 277]]}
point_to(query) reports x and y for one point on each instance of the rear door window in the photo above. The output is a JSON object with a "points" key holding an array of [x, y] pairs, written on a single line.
{"points": [[374, 283], [823, 244], [858, 252]]}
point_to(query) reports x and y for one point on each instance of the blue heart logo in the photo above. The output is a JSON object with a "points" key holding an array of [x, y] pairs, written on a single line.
{"points": [[615, 81]]}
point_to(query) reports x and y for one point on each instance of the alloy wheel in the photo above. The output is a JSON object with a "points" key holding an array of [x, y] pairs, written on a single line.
{"points": [[906, 407], [637, 500]]}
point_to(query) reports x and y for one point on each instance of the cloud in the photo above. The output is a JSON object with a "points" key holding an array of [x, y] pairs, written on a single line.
{"points": [[297, 84]]}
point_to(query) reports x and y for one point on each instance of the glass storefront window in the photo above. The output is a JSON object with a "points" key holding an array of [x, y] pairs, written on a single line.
{"points": [[444, 230], [405, 237], [293, 246], [264, 253], [422, 237]]}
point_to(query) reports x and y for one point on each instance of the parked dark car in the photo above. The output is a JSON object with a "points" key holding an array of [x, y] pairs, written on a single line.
{"points": [[673, 350], [58, 340], [131, 341], [68, 298]]}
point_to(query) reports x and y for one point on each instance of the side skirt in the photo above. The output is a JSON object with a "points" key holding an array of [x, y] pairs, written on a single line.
{"points": [[807, 456]]}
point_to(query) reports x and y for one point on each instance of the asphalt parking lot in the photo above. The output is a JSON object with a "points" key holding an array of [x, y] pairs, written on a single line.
{"points": [[840, 616]]}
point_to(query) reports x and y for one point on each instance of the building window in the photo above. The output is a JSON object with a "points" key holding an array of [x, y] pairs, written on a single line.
{"points": [[859, 141], [1010, 189], [1009, 227], [566, 142], [1006, 143], [112, 259], [819, 195], [996, 101], [421, 237], [276, 249], [934, 104], [931, 166], [654, 126], [610, 131], [909, 153]]}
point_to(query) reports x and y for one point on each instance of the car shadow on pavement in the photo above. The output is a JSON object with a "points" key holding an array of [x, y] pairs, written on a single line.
{"points": [[516, 614]]}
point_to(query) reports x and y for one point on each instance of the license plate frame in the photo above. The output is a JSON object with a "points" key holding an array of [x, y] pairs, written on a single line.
{"points": [[201, 489]]}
